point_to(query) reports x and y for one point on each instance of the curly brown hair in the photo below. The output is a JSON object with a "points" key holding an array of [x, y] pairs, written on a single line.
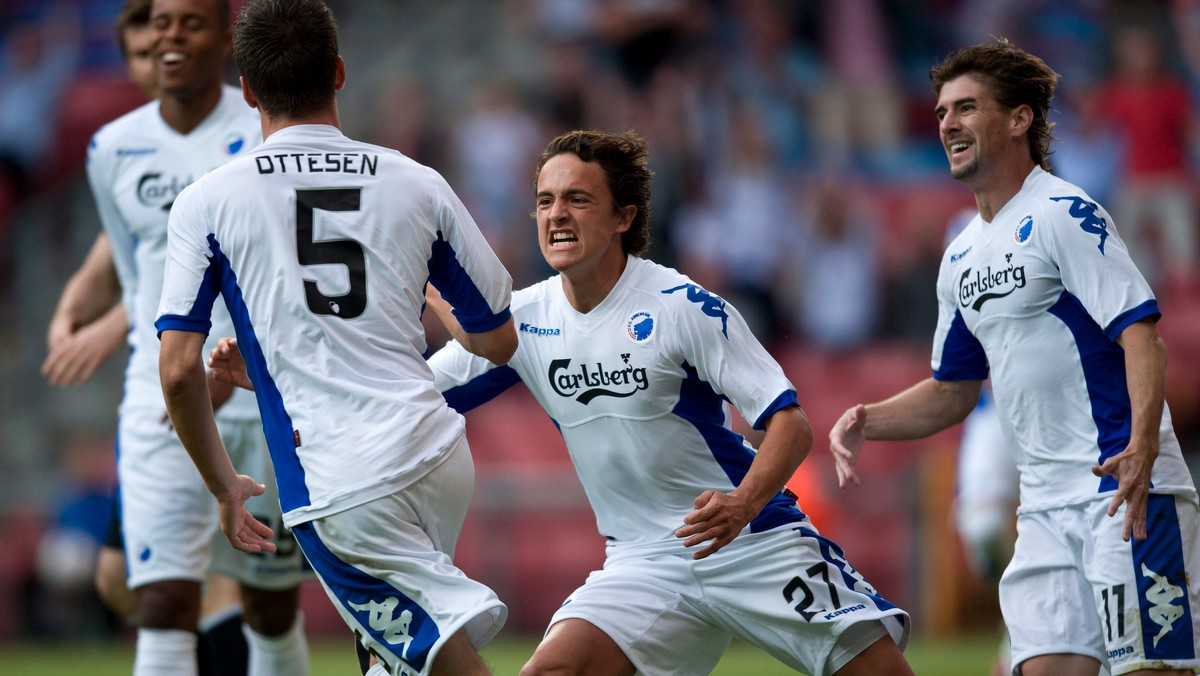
{"points": [[1015, 78], [623, 158]]}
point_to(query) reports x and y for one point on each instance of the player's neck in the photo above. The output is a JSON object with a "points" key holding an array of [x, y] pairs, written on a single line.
{"points": [[271, 124], [586, 289], [183, 113], [994, 192]]}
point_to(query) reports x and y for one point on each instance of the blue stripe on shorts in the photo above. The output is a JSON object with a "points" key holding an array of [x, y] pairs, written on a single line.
{"points": [[1162, 584]]}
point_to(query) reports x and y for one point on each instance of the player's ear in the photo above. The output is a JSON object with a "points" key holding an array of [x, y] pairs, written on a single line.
{"points": [[339, 76], [248, 94], [1022, 119]]}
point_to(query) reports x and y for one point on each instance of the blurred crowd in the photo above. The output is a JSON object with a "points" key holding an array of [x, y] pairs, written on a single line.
{"points": [[798, 170]]}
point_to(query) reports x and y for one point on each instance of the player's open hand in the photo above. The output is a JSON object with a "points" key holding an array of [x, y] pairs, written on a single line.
{"points": [[846, 441], [1131, 468], [227, 364], [719, 517], [245, 533]]}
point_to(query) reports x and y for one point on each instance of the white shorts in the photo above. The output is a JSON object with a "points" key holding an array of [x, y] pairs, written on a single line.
{"points": [[170, 519], [788, 591], [387, 566], [1074, 586]]}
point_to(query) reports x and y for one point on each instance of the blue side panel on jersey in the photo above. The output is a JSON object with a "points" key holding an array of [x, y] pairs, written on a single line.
{"points": [[1104, 373], [481, 389], [277, 424], [701, 406], [470, 307], [1163, 584], [352, 586], [962, 354], [1122, 322]]}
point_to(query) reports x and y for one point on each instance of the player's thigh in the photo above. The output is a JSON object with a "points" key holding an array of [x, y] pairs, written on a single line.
{"points": [[1045, 597], [794, 594], [275, 571], [643, 605], [575, 646], [400, 594], [168, 516], [1146, 592]]}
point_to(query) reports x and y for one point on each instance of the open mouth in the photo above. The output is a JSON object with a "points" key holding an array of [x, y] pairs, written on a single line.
{"points": [[959, 147], [172, 58], [562, 239]]}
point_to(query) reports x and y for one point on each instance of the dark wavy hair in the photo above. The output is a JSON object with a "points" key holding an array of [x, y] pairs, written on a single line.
{"points": [[287, 50], [1015, 78], [623, 157]]}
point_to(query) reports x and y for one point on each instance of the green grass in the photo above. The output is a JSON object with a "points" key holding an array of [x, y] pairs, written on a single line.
{"points": [[967, 656]]}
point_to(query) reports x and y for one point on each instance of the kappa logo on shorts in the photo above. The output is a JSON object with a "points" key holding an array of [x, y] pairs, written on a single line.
{"points": [[381, 616], [1161, 594]]}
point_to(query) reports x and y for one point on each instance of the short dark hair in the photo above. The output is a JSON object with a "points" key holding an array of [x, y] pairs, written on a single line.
{"points": [[134, 14], [1015, 78], [624, 160], [287, 50]]}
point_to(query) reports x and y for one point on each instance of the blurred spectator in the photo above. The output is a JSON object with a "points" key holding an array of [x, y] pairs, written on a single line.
{"points": [[1087, 150], [494, 145], [1154, 206], [834, 291]]}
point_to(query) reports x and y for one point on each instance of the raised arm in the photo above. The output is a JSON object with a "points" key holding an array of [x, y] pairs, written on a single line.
{"points": [[1146, 374], [719, 517], [924, 409]]}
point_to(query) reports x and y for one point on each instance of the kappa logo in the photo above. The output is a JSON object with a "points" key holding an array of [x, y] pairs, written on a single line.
{"points": [[537, 330], [1090, 219], [710, 304], [956, 257], [1163, 612], [381, 617]]}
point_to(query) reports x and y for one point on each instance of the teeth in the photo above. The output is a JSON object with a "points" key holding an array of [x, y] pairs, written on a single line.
{"points": [[560, 237], [172, 57], [955, 147]]}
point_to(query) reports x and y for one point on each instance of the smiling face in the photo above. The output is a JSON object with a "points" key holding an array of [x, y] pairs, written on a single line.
{"points": [[976, 131], [579, 226], [193, 41]]}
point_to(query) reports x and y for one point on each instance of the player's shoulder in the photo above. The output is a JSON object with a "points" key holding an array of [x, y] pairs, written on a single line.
{"points": [[135, 129], [668, 285]]}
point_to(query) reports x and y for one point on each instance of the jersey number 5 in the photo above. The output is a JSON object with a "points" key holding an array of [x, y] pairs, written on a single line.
{"points": [[333, 251]]}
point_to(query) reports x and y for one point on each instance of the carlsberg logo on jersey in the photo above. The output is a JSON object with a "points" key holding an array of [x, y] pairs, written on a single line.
{"points": [[585, 382], [155, 191], [978, 286]]}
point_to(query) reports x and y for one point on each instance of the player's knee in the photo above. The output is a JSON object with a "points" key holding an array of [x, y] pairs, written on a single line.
{"points": [[269, 612], [169, 604]]}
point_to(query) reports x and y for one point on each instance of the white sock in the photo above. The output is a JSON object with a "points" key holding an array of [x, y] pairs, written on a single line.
{"points": [[376, 670], [283, 655], [165, 652]]}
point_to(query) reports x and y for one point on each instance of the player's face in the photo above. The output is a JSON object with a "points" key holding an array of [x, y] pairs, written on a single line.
{"points": [[140, 59], [579, 227], [972, 125], [192, 44]]}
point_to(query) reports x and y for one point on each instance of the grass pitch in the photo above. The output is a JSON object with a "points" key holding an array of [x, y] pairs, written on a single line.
{"points": [[965, 656]]}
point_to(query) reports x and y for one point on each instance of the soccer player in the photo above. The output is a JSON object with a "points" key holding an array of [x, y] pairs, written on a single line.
{"points": [[136, 166], [321, 247], [1040, 292], [637, 365]]}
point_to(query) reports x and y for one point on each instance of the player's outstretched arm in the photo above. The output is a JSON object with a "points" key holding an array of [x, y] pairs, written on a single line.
{"points": [[185, 388], [89, 323], [720, 517], [497, 345], [926, 408], [1145, 373]]}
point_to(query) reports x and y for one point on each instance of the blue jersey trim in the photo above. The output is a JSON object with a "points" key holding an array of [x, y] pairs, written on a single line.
{"points": [[481, 389], [781, 402], [353, 586], [277, 424], [1129, 317], [1162, 587], [1103, 364], [701, 406], [456, 286], [963, 357], [199, 319]]}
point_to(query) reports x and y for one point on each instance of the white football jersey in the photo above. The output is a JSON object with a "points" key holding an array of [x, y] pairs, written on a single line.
{"points": [[137, 166], [321, 247], [1040, 296], [640, 389]]}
